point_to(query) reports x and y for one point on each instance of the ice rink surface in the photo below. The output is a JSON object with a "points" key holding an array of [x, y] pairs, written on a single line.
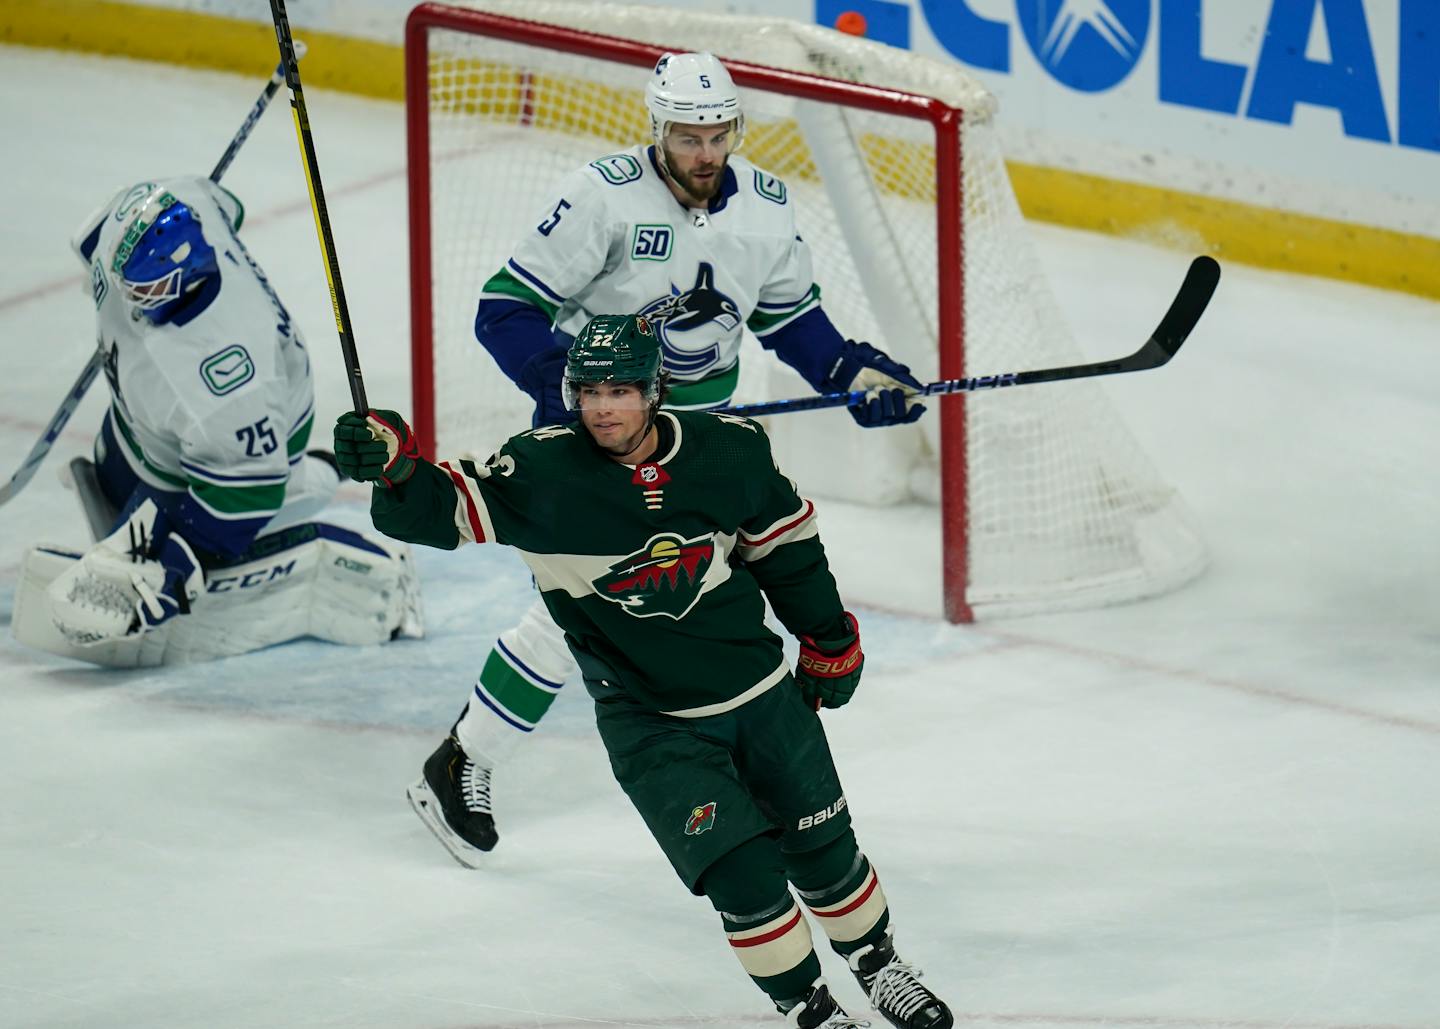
{"points": [[1212, 809]]}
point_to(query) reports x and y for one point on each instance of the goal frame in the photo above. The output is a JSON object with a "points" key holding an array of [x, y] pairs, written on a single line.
{"points": [[945, 119]]}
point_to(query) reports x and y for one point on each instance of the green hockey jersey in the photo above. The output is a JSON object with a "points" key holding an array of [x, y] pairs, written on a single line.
{"points": [[655, 571]]}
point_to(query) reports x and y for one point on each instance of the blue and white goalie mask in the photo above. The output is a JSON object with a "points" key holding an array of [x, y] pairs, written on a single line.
{"points": [[162, 253]]}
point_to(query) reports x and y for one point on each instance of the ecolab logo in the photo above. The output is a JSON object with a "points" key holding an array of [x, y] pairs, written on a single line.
{"points": [[1315, 52]]}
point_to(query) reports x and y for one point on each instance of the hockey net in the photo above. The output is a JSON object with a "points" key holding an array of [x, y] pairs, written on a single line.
{"points": [[1044, 499]]}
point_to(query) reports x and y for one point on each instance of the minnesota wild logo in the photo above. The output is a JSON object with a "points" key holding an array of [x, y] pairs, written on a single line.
{"points": [[664, 577], [702, 818]]}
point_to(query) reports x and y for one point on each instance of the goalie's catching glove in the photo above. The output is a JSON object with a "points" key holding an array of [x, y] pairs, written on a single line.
{"points": [[134, 580], [828, 669], [862, 366], [378, 447]]}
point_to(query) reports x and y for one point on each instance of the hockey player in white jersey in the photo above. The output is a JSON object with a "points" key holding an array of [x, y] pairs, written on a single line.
{"points": [[702, 243], [201, 485]]}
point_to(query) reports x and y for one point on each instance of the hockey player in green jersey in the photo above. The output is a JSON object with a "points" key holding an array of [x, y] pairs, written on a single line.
{"points": [[656, 537], [704, 244]]}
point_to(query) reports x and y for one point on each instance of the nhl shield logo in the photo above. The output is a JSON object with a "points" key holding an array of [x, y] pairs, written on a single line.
{"points": [[665, 577], [701, 819]]}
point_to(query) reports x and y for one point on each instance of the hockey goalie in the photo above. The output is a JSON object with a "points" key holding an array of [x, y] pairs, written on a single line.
{"points": [[202, 494]]}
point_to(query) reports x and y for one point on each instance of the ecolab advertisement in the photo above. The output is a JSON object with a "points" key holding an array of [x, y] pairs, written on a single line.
{"points": [[1321, 107], [1326, 106]]}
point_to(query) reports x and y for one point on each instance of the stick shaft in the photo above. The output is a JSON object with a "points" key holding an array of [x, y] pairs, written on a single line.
{"points": [[290, 62]]}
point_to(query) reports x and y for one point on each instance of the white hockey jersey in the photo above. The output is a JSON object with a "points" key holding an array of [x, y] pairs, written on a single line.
{"points": [[615, 239], [221, 406]]}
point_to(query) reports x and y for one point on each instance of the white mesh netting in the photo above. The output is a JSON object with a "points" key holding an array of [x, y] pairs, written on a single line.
{"points": [[1064, 509]]}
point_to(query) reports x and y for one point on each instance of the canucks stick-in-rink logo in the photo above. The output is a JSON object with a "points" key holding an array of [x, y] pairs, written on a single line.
{"points": [[1089, 45], [694, 324], [664, 577]]}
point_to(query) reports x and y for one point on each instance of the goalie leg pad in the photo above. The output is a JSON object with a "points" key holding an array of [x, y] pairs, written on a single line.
{"points": [[366, 591], [100, 514], [314, 579]]}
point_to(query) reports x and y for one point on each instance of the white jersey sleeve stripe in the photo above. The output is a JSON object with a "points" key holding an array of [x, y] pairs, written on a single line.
{"points": [[791, 529], [471, 516], [767, 318], [300, 422], [200, 473], [531, 278]]}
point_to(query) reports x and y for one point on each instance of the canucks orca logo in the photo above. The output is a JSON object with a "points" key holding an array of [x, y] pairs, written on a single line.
{"points": [[694, 324], [1089, 45], [664, 577]]}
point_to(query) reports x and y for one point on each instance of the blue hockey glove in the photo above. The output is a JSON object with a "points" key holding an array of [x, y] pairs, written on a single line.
{"points": [[183, 583], [862, 366], [828, 670], [541, 378], [377, 448]]}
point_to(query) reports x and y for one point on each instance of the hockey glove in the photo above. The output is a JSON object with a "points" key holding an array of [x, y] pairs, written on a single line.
{"points": [[181, 585], [542, 378], [828, 670], [134, 580], [862, 366], [378, 448]]}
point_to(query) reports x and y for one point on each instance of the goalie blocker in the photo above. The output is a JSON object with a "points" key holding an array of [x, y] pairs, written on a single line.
{"points": [[314, 579]]}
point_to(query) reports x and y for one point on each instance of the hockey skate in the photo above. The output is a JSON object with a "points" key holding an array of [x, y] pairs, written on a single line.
{"points": [[894, 989], [452, 797], [818, 1010]]}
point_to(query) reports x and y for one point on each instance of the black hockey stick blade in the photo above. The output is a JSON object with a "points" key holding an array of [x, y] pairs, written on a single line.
{"points": [[1185, 311]]}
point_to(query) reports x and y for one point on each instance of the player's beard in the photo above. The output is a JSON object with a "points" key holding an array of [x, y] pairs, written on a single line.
{"points": [[703, 192]]}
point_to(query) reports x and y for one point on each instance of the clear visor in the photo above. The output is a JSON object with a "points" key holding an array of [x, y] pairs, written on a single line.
{"points": [[149, 295], [698, 140], [607, 396]]}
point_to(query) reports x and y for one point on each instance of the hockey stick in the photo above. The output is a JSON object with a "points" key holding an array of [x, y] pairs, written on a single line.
{"points": [[37, 454], [1185, 311], [288, 59]]}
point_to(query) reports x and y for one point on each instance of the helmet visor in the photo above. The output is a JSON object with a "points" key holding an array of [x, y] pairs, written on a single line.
{"points": [[608, 396]]}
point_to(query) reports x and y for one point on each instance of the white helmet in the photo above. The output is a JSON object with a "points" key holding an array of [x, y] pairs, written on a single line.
{"points": [[693, 89]]}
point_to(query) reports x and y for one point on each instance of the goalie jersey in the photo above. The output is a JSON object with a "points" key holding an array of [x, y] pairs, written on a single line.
{"points": [[654, 571], [615, 239], [219, 406]]}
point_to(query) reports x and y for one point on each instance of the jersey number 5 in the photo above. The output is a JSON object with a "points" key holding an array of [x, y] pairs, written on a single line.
{"points": [[548, 225], [259, 439]]}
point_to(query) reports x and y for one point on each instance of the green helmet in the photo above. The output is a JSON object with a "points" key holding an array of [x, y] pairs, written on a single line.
{"points": [[614, 348]]}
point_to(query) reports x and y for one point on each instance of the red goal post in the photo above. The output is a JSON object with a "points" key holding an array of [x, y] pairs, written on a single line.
{"points": [[888, 274]]}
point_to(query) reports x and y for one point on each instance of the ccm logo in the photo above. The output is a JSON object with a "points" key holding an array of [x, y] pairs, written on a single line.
{"points": [[829, 667], [822, 816]]}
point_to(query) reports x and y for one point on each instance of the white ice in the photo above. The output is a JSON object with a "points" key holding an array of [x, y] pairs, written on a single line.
{"points": [[1212, 809]]}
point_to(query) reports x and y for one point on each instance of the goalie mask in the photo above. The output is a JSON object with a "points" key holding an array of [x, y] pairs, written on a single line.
{"points": [[617, 349], [162, 253], [692, 89]]}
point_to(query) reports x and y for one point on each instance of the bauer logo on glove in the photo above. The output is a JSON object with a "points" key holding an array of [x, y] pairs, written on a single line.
{"points": [[828, 670]]}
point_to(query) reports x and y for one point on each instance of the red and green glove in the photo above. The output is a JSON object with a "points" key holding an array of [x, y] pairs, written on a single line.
{"points": [[828, 669], [378, 447]]}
